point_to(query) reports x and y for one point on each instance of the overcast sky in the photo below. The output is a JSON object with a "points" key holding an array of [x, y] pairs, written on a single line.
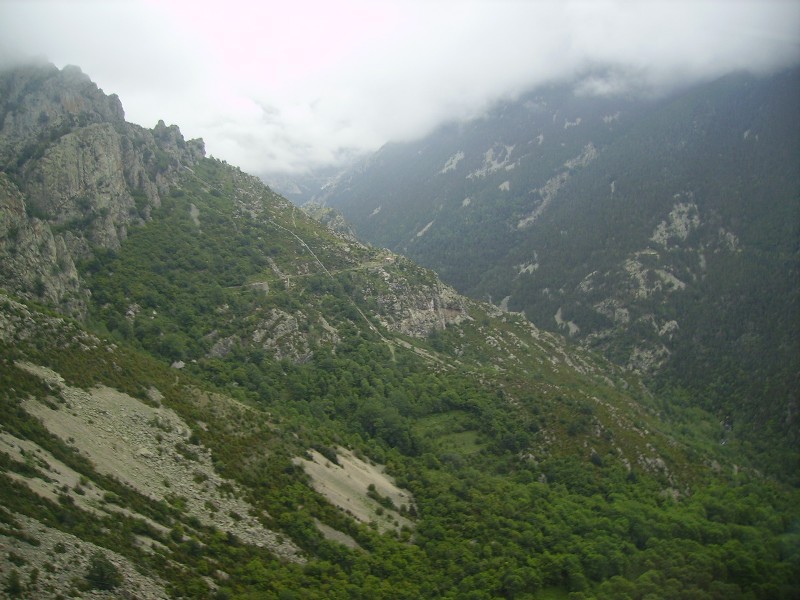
{"points": [[291, 84]]}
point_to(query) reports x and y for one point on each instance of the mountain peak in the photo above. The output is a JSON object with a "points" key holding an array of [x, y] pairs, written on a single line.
{"points": [[86, 174]]}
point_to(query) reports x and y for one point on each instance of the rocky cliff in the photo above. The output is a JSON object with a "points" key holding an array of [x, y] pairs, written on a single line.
{"points": [[75, 177]]}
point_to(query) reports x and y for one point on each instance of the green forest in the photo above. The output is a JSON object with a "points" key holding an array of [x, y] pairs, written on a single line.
{"points": [[529, 476], [724, 282]]}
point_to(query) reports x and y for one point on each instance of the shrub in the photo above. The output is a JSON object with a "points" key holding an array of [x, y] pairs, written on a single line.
{"points": [[102, 573], [13, 585]]}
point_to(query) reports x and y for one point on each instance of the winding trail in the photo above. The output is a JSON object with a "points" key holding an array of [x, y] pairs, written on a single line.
{"points": [[391, 344]]}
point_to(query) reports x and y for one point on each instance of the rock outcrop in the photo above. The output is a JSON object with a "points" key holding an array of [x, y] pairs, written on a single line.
{"points": [[413, 302], [75, 176]]}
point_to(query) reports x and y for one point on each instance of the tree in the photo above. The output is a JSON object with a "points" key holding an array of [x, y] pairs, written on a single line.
{"points": [[102, 573], [13, 585]]}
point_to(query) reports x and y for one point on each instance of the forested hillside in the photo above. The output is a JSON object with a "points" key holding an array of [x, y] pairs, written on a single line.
{"points": [[227, 399], [663, 233]]}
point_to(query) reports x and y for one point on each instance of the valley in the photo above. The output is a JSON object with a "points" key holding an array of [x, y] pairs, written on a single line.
{"points": [[205, 392], [659, 231]]}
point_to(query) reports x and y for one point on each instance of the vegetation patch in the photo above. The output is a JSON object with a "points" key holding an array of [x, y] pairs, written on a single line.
{"points": [[147, 449]]}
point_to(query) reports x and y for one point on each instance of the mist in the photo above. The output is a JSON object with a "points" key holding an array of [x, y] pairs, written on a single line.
{"points": [[284, 89]]}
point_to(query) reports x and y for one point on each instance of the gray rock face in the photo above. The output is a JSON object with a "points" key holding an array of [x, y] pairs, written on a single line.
{"points": [[75, 176], [332, 219], [33, 261], [413, 302], [41, 103]]}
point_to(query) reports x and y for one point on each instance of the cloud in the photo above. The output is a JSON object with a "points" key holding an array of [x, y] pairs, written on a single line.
{"points": [[284, 86]]}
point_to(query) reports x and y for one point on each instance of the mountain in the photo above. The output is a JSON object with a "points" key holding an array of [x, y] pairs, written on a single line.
{"points": [[663, 232], [75, 177], [204, 392], [302, 188]]}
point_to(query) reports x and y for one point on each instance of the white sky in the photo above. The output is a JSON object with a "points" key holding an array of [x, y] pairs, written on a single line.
{"points": [[291, 84]]}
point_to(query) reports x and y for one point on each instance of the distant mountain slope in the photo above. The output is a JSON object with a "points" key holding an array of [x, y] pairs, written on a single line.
{"points": [[236, 401], [663, 232]]}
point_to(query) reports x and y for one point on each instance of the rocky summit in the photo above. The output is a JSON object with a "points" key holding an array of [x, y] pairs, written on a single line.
{"points": [[75, 177]]}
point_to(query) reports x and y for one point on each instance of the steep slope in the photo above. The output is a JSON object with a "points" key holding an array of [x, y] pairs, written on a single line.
{"points": [[257, 406], [664, 232], [75, 176]]}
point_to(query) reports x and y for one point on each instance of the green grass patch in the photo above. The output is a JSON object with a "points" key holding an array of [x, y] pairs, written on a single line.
{"points": [[464, 442], [453, 431]]}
